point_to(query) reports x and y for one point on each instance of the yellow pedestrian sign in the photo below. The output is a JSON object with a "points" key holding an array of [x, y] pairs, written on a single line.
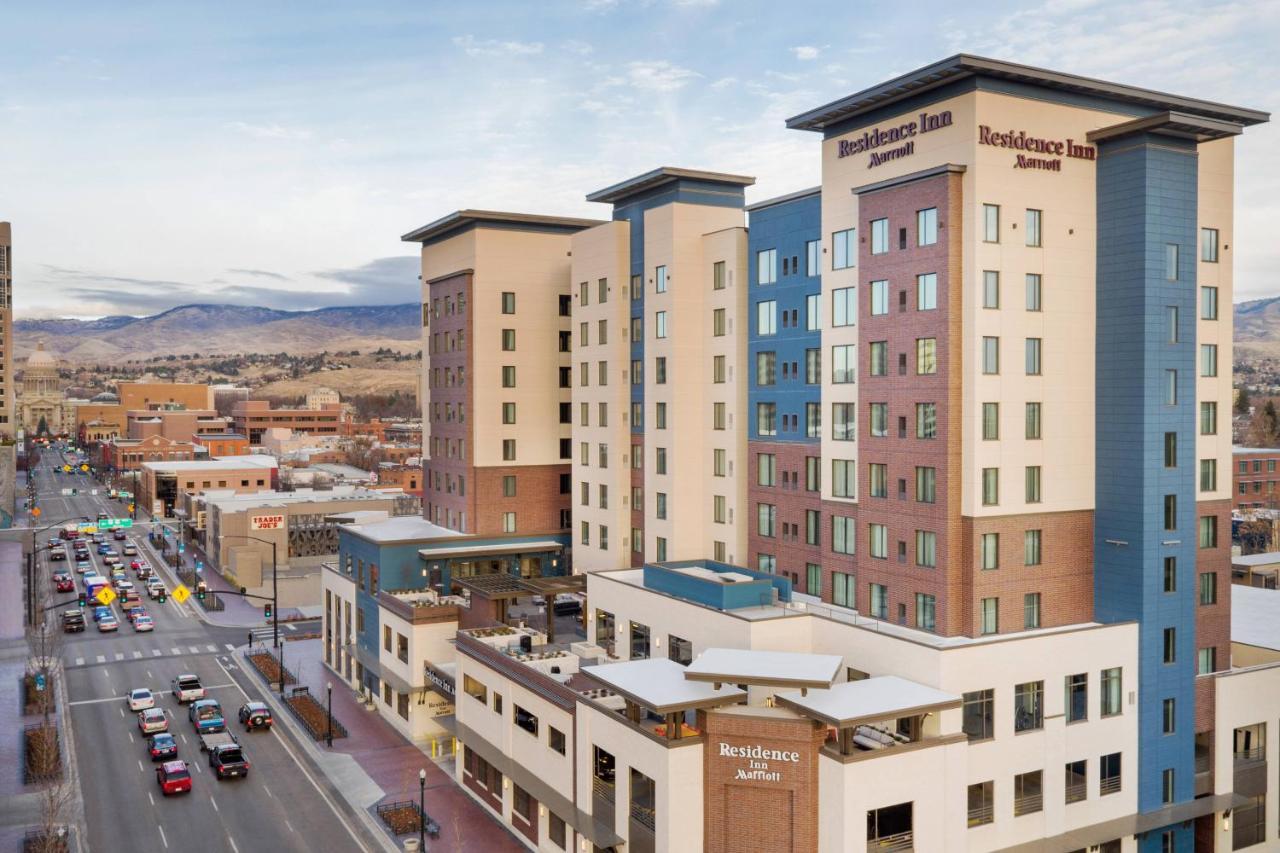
{"points": [[181, 593], [105, 596]]}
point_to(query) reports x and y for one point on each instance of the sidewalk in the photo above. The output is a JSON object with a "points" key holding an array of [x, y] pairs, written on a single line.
{"points": [[389, 764]]}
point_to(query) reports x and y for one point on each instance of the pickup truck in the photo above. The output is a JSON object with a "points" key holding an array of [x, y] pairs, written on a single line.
{"points": [[228, 761], [72, 621], [187, 688], [206, 716]]}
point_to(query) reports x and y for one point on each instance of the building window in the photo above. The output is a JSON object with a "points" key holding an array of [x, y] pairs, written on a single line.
{"points": [[660, 279], [878, 535], [767, 266], [813, 579], [812, 420], [509, 449], [813, 311], [926, 356], [1167, 791], [878, 358], [766, 563], [1077, 701], [508, 302], [639, 641], [1033, 484], [509, 340], [1035, 219], [1034, 292], [767, 317], [1031, 610], [844, 306], [1208, 537], [767, 418], [926, 484], [990, 486], [524, 720], [508, 522], [1169, 716], [926, 549], [1208, 475], [990, 289], [1171, 261], [1171, 388], [679, 650], [1209, 245], [842, 478], [878, 420], [981, 803], [1109, 774], [1208, 303], [1031, 547], [842, 589], [766, 519], [978, 716], [1208, 588], [475, 689], [1170, 512], [813, 527], [1111, 689], [879, 298], [927, 291], [991, 223], [878, 480], [717, 276], [508, 413], [1028, 706], [766, 469], [1035, 349], [719, 511], [1076, 783], [813, 366], [990, 355], [842, 421], [879, 601], [990, 421], [879, 236], [843, 533], [927, 227], [990, 616], [1171, 450], [844, 249], [660, 323], [1208, 359], [766, 368], [718, 323], [1170, 646], [1206, 661], [660, 505], [926, 420]]}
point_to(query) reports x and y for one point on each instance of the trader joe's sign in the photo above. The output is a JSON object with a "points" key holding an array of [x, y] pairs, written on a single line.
{"points": [[267, 522]]}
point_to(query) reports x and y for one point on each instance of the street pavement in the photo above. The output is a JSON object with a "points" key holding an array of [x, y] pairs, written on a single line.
{"points": [[283, 804]]}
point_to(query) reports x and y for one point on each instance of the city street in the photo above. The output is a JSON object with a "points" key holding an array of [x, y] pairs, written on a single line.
{"points": [[281, 805]]}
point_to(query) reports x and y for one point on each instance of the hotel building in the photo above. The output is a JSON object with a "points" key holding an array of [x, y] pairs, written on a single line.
{"points": [[975, 406]]}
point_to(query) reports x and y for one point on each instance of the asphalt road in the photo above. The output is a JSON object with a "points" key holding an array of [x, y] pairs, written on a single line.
{"points": [[282, 805]]}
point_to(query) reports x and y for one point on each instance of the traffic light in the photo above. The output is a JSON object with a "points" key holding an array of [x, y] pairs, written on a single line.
{"points": [[82, 600], [163, 595], [200, 593], [266, 610]]}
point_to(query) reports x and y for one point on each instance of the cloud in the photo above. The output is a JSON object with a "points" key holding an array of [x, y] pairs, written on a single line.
{"points": [[806, 51], [270, 131], [579, 47], [659, 75], [473, 46], [383, 281], [724, 83], [261, 274]]}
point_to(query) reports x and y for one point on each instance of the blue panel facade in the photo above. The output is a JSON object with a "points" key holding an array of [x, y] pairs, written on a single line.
{"points": [[1146, 199], [786, 227]]}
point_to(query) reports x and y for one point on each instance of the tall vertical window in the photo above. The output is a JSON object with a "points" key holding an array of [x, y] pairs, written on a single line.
{"points": [[1035, 221], [718, 322], [879, 298], [813, 420], [508, 340], [927, 291], [843, 475], [508, 302], [1209, 245], [1033, 420], [878, 420], [717, 276], [1171, 387], [990, 486], [990, 355], [990, 289], [1208, 588], [767, 516], [879, 600], [927, 227], [989, 545], [813, 312], [660, 324], [1035, 292], [1031, 610], [813, 578], [990, 421], [878, 358], [584, 295], [660, 279], [1169, 716], [767, 317], [926, 549], [843, 534], [660, 504], [926, 484], [989, 616], [812, 249], [1171, 261], [766, 368], [1208, 303], [977, 716], [844, 306], [1028, 706], [843, 427], [844, 249], [767, 266], [812, 528], [991, 223], [508, 376], [1170, 512], [926, 356], [843, 592], [1170, 645], [719, 372], [1208, 359], [1208, 531], [637, 287], [878, 480], [813, 366], [1170, 574], [1035, 350], [879, 236], [1208, 475], [1031, 547], [602, 290], [926, 420], [844, 368], [508, 413], [1167, 792], [1171, 450], [767, 418], [1171, 317], [926, 611], [1111, 690]]}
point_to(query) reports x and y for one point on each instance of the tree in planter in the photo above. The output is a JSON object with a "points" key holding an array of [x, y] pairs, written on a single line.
{"points": [[45, 641], [57, 795]]}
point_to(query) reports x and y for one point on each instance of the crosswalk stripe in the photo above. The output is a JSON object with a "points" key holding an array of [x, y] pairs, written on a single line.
{"points": [[155, 653], [230, 647], [211, 647], [195, 650], [175, 651], [102, 659], [119, 655], [79, 661], [137, 655]]}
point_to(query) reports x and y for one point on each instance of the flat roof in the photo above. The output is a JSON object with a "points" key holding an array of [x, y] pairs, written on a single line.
{"points": [[868, 700], [222, 463], [663, 175], [1264, 559], [462, 219], [237, 502], [1255, 616], [778, 669], [659, 684], [403, 528], [480, 548], [1239, 448], [783, 199], [964, 65]]}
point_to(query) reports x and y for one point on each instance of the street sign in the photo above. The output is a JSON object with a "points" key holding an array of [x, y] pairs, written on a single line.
{"points": [[105, 596], [84, 467], [122, 493], [39, 681], [181, 593], [199, 566], [112, 523], [66, 469]]}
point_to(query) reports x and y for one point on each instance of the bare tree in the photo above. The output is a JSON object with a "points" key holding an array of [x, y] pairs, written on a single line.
{"points": [[57, 794], [362, 452], [45, 642]]}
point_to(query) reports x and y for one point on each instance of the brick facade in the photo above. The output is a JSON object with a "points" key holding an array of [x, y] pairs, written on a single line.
{"points": [[1255, 485], [443, 503], [537, 503], [792, 501], [1213, 621]]}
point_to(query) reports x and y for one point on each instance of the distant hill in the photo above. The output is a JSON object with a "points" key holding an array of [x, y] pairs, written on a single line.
{"points": [[1258, 320], [224, 329]]}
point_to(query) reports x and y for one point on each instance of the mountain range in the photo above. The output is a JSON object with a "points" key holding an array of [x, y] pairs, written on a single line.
{"points": [[223, 329], [1258, 320]]}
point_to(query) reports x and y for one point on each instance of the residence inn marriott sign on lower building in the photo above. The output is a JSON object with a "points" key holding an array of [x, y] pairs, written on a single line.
{"points": [[903, 501]]}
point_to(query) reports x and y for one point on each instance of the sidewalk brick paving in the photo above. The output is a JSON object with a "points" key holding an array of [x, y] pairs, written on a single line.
{"points": [[393, 762]]}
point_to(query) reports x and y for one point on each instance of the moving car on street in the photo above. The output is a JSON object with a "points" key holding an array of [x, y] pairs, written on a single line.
{"points": [[255, 715], [228, 761], [162, 745], [64, 583], [108, 623], [72, 621], [206, 716], [173, 777], [152, 720], [140, 699], [143, 623], [187, 688]]}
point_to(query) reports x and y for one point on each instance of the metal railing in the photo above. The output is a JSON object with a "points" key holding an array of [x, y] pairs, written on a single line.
{"points": [[1242, 756], [644, 815], [891, 843], [981, 816], [1077, 792], [1028, 804], [1109, 785]]}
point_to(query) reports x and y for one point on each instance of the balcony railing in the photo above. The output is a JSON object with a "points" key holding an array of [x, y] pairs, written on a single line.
{"points": [[891, 843], [1243, 756], [1028, 804], [1109, 785], [1077, 792], [644, 815], [981, 816]]}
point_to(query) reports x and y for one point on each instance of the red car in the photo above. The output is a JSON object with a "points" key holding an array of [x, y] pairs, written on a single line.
{"points": [[173, 777], [135, 565], [65, 585]]}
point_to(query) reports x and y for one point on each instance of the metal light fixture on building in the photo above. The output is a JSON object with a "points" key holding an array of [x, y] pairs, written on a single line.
{"points": [[1226, 821]]}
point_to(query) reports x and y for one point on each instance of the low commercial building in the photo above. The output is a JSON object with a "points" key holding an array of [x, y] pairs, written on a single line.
{"points": [[1254, 477], [1256, 570], [1255, 625], [223, 443], [253, 417], [161, 485]]}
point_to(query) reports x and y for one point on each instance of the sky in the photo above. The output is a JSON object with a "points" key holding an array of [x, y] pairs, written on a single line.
{"points": [[273, 153]]}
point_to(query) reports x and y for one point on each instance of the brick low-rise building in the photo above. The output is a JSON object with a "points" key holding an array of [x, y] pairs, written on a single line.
{"points": [[1254, 477]]}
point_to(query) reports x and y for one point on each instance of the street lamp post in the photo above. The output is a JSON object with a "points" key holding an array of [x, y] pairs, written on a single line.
{"points": [[275, 595], [329, 737], [422, 809]]}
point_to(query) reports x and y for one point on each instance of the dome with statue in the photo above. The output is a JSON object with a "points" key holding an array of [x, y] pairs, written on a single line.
{"points": [[41, 403]]}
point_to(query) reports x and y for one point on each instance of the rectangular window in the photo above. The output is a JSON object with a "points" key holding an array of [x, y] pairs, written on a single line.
{"points": [[926, 549], [1208, 533], [1206, 661], [844, 249], [718, 417], [989, 615], [991, 223], [843, 427], [1033, 484], [1209, 245], [660, 460], [660, 322], [766, 519], [926, 420], [1031, 547], [879, 601], [717, 276], [1208, 303], [718, 323], [1033, 421], [1076, 782], [926, 356], [508, 376], [1028, 706], [1035, 347], [844, 306], [813, 366], [1208, 359], [878, 480], [879, 420], [660, 279], [879, 236], [524, 720], [1169, 716], [990, 421], [508, 302], [927, 291], [926, 484], [1208, 475], [990, 356], [508, 413], [926, 611], [1208, 418], [1170, 645], [1170, 512], [660, 505], [1171, 261], [878, 358], [508, 340], [508, 522], [1208, 588], [813, 420], [1171, 387], [812, 248], [1034, 292], [842, 478], [990, 486], [1077, 700], [1111, 688], [813, 578], [813, 527], [813, 312], [1166, 796], [767, 418], [843, 534], [927, 227], [981, 803], [766, 368], [1035, 221], [1109, 774], [1171, 316], [879, 298], [767, 317], [990, 548], [1170, 574], [978, 714], [842, 589], [767, 266], [878, 535], [509, 449], [1171, 450], [766, 469], [990, 289]]}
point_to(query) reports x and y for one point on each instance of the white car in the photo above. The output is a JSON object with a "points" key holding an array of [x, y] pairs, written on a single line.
{"points": [[141, 699]]}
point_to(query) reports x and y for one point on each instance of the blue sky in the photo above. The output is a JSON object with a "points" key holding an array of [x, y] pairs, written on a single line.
{"points": [[272, 153]]}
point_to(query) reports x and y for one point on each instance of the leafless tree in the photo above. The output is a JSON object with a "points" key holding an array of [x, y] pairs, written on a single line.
{"points": [[362, 452], [57, 794], [45, 642]]}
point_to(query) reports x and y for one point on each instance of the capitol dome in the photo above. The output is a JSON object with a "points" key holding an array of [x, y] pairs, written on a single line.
{"points": [[41, 358]]}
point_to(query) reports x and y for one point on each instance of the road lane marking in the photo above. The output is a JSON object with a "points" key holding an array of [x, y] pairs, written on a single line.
{"points": [[184, 738], [195, 650], [155, 653], [211, 647], [162, 838], [267, 790], [230, 647], [291, 829], [199, 769], [141, 769], [112, 699], [214, 803], [119, 655], [137, 655], [130, 737], [79, 661], [102, 659], [151, 798], [291, 626], [234, 848], [149, 674]]}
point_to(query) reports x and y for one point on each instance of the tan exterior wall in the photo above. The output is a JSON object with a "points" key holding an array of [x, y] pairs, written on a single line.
{"points": [[1214, 190], [145, 395], [8, 413]]}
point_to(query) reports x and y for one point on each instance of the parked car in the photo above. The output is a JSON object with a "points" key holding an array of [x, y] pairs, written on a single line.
{"points": [[173, 777], [162, 745], [255, 715], [152, 720], [140, 698]]}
